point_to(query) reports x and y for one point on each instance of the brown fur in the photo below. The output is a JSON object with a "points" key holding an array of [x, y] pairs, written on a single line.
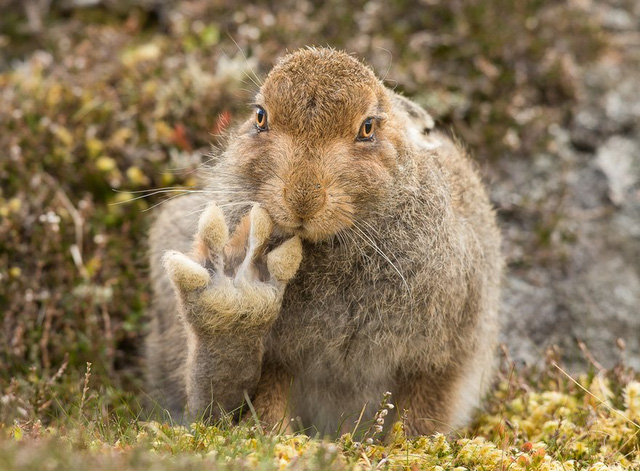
{"points": [[271, 402], [399, 274]]}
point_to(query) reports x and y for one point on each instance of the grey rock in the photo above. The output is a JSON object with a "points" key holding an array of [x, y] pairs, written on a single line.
{"points": [[619, 159], [618, 19], [571, 226]]}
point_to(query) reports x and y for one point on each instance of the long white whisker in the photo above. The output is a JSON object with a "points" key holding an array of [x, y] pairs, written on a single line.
{"points": [[201, 207], [374, 246], [240, 79], [157, 192], [149, 190], [374, 231], [253, 81], [187, 169], [390, 62], [198, 209], [247, 62], [164, 201]]}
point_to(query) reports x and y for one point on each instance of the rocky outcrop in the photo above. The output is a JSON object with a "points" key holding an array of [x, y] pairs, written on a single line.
{"points": [[571, 218]]}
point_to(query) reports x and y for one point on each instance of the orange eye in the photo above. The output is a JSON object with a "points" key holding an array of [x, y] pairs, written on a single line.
{"points": [[261, 119], [366, 130]]}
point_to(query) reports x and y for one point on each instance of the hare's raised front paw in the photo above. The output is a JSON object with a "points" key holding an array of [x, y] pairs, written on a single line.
{"points": [[232, 284]]}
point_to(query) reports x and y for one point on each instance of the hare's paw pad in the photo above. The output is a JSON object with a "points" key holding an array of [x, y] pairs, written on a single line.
{"points": [[245, 304]]}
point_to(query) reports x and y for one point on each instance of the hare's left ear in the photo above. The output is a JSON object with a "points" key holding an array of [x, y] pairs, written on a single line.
{"points": [[418, 115]]}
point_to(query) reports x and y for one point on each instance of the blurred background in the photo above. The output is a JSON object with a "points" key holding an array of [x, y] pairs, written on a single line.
{"points": [[102, 100]]}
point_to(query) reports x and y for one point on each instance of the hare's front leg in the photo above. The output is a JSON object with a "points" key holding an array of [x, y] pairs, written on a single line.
{"points": [[427, 400], [228, 304]]}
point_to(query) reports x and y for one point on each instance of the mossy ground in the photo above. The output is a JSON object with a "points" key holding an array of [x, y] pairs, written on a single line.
{"points": [[100, 107], [542, 420]]}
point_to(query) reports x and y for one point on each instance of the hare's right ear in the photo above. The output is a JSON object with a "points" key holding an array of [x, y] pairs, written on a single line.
{"points": [[418, 115]]}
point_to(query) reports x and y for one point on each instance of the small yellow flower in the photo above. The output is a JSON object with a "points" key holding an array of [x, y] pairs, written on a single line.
{"points": [[63, 135], [137, 176], [14, 205], [94, 147], [632, 400], [105, 164], [598, 466], [143, 53]]}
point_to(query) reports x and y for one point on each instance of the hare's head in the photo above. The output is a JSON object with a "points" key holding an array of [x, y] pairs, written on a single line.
{"points": [[320, 148]]}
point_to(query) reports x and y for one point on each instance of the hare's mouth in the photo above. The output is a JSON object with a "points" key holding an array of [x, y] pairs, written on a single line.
{"points": [[305, 229], [302, 229], [322, 225]]}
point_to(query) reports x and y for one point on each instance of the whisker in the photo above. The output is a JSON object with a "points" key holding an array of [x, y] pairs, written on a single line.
{"points": [[238, 203], [358, 246], [366, 238], [247, 62], [253, 81], [188, 169], [390, 62], [374, 231], [240, 79], [158, 192], [163, 202], [198, 209], [149, 190], [275, 174]]}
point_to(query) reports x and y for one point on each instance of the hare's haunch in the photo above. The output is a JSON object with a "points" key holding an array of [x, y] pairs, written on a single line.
{"points": [[343, 247]]}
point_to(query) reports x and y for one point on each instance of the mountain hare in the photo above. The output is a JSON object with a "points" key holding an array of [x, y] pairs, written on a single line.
{"points": [[342, 248]]}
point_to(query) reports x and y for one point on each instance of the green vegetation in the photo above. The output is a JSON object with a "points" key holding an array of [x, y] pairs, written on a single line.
{"points": [[533, 420], [101, 107]]}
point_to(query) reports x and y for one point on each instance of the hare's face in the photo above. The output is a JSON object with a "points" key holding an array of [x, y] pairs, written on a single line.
{"points": [[319, 148]]}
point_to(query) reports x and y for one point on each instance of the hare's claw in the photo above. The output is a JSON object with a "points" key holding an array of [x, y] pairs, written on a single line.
{"points": [[186, 274], [283, 261], [212, 236]]}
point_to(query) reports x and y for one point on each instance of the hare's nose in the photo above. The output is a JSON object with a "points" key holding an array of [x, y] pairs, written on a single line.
{"points": [[304, 201]]}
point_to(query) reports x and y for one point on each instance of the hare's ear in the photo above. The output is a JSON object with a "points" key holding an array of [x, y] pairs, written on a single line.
{"points": [[418, 115]]}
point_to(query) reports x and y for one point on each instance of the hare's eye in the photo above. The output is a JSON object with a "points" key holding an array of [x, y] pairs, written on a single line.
{"points": [[366, 130], [261, 119]]}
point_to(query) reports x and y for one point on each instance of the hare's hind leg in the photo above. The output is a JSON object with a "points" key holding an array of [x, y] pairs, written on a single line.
{"points": [[272, 398], [426, 399]]}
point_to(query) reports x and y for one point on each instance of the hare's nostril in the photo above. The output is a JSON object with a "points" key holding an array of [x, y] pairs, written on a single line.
{"points": [[305, 201]]}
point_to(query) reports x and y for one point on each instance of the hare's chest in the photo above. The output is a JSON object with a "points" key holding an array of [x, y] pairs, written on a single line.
{"points": [[345, 330], [341, 314], [341, 354]]}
